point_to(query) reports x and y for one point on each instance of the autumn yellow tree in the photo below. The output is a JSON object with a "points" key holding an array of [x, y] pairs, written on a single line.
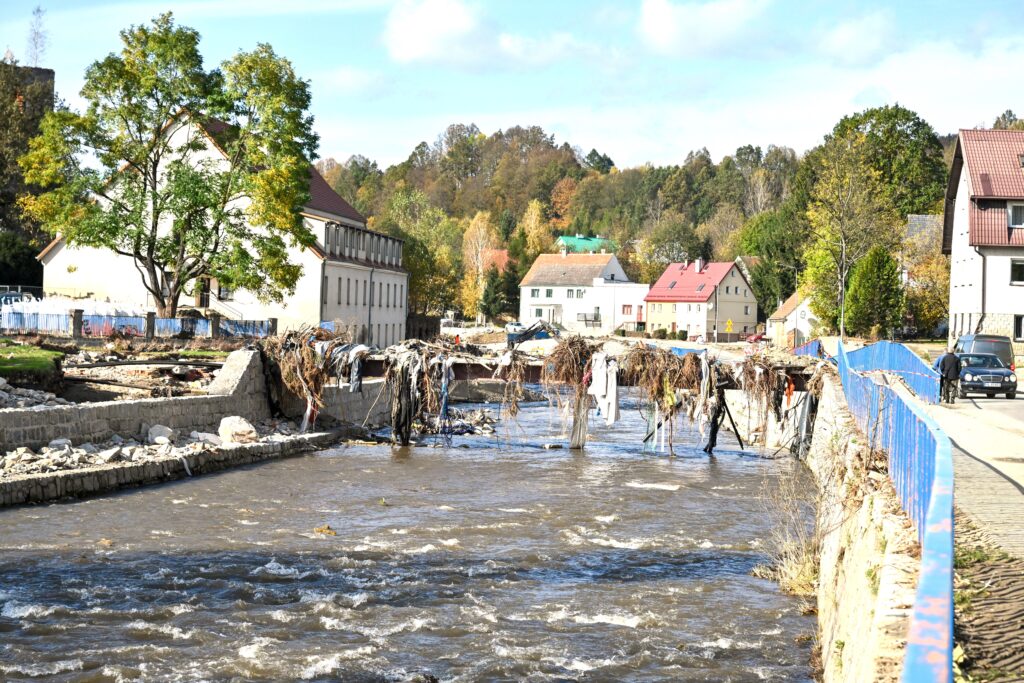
{"points": [[537, 230], [561, 202], [479, 238]]}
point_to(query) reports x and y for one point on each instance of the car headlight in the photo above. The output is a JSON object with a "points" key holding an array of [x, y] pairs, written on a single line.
{"points": [[1013, 377], [968, 377]]}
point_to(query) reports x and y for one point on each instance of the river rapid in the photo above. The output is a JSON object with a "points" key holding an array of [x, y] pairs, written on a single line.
{"points": [[491, 560]]}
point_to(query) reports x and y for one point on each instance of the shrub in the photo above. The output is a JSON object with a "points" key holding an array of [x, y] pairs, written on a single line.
{"points": [[660, 333]]}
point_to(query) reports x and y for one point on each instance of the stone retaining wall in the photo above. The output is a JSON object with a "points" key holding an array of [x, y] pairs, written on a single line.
{"points": [[238, 389], [867, 563], [38, 488], [371, 406]]}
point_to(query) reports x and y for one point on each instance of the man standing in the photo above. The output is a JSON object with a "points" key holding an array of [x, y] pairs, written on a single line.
{"points": [[949, 376]]}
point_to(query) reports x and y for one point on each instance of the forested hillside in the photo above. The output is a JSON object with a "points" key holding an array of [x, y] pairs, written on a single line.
{"points": [[519, 188]]}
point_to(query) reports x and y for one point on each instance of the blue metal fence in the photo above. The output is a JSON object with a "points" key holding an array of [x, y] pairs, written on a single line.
{"points": [[898, 360], [244, 328], [811, 348], [921, 469], [106, 325], [28, 323]]}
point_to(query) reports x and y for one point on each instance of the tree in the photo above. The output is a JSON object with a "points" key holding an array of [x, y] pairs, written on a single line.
{"points": [[493, 302], [876, 294], [479, 239], [602, 163], [722, 232], [848, 215], [24, 101], [1005, 120], [38, 39], [536, 231], [905, 151], [561, 202], [132, 174], [18, 263], [777, 238], [927, 290]]}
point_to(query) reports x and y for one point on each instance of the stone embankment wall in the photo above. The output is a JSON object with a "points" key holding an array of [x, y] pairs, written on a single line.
{"points": [[754, 418], [868, 551], [371, 406], [238, 389]]}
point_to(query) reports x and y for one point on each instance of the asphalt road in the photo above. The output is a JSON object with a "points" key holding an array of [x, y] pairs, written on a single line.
{"points": [[1001, 406]]}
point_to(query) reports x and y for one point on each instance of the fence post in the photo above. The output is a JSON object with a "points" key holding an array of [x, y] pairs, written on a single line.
{"points": [[76, 322], [150, 325], [214, 324], [271, 327]]}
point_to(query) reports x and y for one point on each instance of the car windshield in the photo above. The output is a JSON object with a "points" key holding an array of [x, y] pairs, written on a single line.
{"points": [[972, 361]]}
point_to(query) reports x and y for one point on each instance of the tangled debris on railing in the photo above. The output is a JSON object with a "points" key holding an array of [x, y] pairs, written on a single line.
{"points": [[568, 366]]}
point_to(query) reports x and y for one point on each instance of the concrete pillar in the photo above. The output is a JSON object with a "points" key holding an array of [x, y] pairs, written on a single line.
{"points": [[76, 322], [214, 324], [150, 325]]}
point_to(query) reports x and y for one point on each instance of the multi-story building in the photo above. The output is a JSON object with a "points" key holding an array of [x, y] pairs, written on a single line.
{"points": [[587, 293], [983, 232], [713, 300]]}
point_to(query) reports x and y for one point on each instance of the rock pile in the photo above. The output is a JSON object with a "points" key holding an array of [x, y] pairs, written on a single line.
{"points": [[17, 397], [157, 442]]}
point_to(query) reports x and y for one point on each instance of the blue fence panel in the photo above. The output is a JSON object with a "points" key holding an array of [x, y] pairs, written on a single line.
{"points": [[921, 469], [245, 328], [107, 325], [184, 328], [899, 360], [52, 323], [327, 325], [811, 348]]}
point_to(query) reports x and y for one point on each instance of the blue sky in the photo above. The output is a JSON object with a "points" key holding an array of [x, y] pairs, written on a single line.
{"points": [[643, 81]]}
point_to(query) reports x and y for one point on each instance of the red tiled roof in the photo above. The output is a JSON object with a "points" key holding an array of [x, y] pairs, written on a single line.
{"points": [[787, 307], [993, 163], [680, 282], [991, 160], [990, 225], [497, 258]]}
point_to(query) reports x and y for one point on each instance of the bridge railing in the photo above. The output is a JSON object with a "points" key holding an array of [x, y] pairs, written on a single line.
{"points": [[921, 469], [897, 359]]}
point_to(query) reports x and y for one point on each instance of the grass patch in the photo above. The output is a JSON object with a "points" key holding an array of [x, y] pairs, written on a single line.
{"points": [[20, 359], [875, 577], [964, 558]]}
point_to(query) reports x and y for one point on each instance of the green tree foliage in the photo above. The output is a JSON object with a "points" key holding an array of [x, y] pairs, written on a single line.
{"points": [[18, 264], [777, 238], [602, 163], [431, 253], [875, 302], [24, 101], [848, 215], [905, 151], [131, 174]]}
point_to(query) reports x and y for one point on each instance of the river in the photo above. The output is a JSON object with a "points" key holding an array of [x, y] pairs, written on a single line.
{"points": [[490, 560]]}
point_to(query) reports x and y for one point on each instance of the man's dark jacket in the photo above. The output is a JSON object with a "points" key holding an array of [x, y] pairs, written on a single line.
{"points": [[949, 367]]}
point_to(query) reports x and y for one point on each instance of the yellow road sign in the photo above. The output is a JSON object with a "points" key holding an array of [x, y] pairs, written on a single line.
{"points": [[728, 325]]}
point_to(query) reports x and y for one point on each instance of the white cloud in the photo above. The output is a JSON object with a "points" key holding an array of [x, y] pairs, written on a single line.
{"points": [[431, 31], [861, 40], [696, 28], [348, 78], [527, 50]]}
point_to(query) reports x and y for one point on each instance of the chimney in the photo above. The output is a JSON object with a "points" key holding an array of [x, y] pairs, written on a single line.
{"points": [[602, 251], [686, 262], [563, 251], [699, 264]]}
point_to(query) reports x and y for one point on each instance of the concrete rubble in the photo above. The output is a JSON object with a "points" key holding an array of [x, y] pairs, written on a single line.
{"points": [[156, 443], [18, 397]]}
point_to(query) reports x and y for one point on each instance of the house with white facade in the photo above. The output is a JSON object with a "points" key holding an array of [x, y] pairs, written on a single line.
{"points": [[585, 293], [793, 322], [713, 300], [983, 232], [351, 275]]}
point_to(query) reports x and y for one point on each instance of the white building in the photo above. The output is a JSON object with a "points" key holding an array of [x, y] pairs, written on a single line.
{"points": [[587, 293], [983, 231], [352, 275], [713, 300], [793, 323]]}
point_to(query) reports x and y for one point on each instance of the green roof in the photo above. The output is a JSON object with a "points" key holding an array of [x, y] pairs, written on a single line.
{"points": [[583, 245]]}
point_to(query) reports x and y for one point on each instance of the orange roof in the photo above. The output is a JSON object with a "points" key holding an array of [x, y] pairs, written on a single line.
{"points": [[787, 307], [566, 269]]}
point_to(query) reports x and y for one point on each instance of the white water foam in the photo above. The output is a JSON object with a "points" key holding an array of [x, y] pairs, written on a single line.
{"points": [[606, 519], [255, 648], [579, 665], [322, 666], [613, 619], [166, 629], [18, 610], [449, 542], [651, 485], [44, 668]]}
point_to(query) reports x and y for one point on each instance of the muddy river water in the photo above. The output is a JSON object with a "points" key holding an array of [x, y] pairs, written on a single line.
{"points": [[490, 560]]}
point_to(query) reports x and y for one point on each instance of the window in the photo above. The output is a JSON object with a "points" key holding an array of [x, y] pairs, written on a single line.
{"points": [[534, 293], [538, 313], [401, 300], [689, 308], [380, 295], [339, 291], [579, 293], [364, 292], [744, 292], [673, 308], [569, 293], [1016, 272], [225, 293], [548, 293], [387, 301], [732, 273], [698, 308], [1016, 215], [727, 289], [1018, 328], [348, 291], [627, 309], [746, 311]]}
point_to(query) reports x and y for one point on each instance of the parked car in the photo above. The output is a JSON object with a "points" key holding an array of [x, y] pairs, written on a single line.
{"points": [[987, 343], [515, 327], [986, 373], [754, 338]]}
